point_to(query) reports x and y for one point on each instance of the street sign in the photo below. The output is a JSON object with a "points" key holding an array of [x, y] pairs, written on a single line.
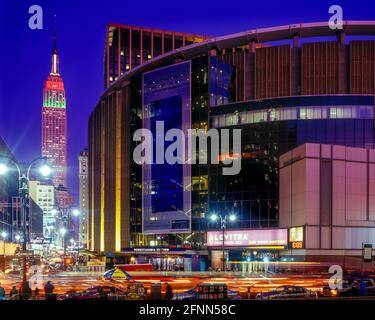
{"points": [[367, 252], [26, 253], [41, 240]]}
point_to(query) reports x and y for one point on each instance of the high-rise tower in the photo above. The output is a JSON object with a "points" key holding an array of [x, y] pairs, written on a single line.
{"points": [[54, 129]]}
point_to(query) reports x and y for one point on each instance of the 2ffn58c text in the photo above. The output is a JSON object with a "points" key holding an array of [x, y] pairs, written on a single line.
{"points": [[214, 309]]}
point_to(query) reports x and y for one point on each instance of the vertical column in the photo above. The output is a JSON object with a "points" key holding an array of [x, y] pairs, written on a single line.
{"points": [[343, 63], [119, 53], [102, 179], [125, 169], [107, 59], [141, 46], [295, 66], [130, 49], [152, 44], [244, 73], [118, 171], [250, 71]]}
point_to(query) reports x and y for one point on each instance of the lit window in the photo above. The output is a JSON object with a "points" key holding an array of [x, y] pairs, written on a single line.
{"points": [[332, 113]]}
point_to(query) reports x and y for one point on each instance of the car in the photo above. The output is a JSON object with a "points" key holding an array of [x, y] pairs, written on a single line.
{"points": [[287, 292], [70, 295], [350, 287], [193, 294], [186, 295], [92, 293]]}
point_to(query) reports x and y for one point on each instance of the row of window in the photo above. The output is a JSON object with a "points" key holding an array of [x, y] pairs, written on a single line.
{"points": [[293, 113]]}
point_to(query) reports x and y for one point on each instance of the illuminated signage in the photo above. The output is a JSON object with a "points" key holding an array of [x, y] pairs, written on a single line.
{"points": [[296, 234], [367, 252], [297, 244], [248, 238], [41, 240], [296, 238]]}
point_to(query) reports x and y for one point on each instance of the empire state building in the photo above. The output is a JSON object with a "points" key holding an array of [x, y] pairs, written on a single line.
{"points": [[54, 127]]}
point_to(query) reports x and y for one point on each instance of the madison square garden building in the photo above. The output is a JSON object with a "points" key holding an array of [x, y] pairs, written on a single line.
{"points": [[284, 87]]}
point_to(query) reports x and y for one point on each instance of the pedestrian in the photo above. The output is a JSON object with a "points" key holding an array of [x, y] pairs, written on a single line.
{"points": [[249, 293], [362, 288], [2, 293], [168, 292], [48, 290], [14, 292], [36, 293]]}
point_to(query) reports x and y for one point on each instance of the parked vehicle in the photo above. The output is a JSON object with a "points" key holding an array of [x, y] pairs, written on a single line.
{"points": [[287, 292], [350, 287], [207, 291], [92, 293]]}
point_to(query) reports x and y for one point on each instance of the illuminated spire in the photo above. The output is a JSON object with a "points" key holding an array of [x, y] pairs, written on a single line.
{"points": [[55, 56]]}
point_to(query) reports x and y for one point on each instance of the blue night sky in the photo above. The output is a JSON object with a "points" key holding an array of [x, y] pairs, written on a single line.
{"points": [[25, 54]]}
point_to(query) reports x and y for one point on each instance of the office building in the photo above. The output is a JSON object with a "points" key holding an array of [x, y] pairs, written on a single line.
{"points": [[282, 86], [54, 125], [129, 46], [43, 195], [8, 190], [327, 199], [83, 198]]}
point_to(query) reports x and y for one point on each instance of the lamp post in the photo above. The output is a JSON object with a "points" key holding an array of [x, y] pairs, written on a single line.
{"points": [[23, 191], [4, 236], [65, 215], [223, 225], [63, 232]]}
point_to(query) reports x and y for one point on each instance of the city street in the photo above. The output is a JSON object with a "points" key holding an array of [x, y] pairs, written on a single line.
{"points": [[180, 281]]}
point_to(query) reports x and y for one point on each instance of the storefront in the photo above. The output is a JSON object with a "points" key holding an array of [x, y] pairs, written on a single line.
{"points": [[172, 258], [245, 250]]}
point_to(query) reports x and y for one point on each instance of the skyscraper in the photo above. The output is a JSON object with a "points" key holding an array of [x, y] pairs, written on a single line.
{"points": [[54, 129], [83, 197]]}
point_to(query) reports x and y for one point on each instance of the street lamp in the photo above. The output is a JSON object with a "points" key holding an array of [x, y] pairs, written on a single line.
{"points": [[65, 215], [23, 191], [45, 170], [214, 217], [223, 225], [3, 168], [63, 232]]}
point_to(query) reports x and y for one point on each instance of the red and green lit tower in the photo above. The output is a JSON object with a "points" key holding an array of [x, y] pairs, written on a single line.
{"points": [[54, 128]]}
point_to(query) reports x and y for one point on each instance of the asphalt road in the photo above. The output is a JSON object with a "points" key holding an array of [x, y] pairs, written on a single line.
{"points": [[180, 281]]}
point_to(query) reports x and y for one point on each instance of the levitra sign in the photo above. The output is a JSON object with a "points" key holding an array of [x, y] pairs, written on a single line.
{"points": [[190, 149]]}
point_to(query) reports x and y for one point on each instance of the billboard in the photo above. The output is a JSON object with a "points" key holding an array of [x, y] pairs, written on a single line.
{"points": [[296, 238], [248, 238], [166, 198]]}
